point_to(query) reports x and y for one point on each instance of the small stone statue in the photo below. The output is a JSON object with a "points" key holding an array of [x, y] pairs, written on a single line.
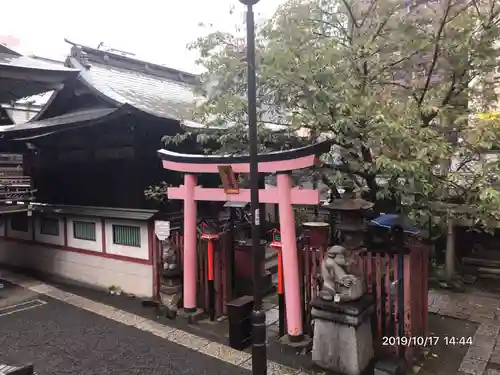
{"points": [[338, 285], [169, 257]]}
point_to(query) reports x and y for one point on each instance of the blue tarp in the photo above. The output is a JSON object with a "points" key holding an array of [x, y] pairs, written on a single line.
{"points": [[389, 220]]}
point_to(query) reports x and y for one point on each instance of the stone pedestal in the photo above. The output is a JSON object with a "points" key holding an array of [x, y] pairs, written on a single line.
{"points": [[342, 341]]}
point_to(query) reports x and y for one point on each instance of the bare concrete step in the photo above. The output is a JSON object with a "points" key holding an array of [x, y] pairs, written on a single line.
{"points": [[271, 260], [271, 253], [481, 267], [481, 262], [480, 271]]}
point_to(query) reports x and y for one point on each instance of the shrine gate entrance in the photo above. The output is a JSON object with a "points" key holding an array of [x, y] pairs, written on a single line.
{"points": [[285, 195]]}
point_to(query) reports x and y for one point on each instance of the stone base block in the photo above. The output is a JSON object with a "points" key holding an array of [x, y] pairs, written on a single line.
{"points": [[296, 346], [342, 340], [191, 317]]}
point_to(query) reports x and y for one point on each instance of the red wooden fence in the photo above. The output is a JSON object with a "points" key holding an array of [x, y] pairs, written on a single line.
{"points": [[222, 280], [381, 274], [378, 269]]}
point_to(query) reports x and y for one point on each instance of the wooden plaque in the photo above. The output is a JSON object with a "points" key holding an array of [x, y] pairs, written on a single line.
{"points": [[228, 179]]}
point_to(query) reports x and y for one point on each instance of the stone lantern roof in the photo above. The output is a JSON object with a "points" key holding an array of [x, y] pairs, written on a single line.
{"points": [[349, 202]]}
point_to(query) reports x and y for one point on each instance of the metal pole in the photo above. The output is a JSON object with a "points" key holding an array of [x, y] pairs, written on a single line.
{"points": [[259, 355]]}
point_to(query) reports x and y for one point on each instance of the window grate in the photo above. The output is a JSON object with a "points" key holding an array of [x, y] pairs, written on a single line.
{"points": [[49, 226], [19, 222], [127, 235], [84, 230]]}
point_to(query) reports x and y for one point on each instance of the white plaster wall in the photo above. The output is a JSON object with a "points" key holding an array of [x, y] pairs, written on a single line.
{"points": [[28, 236], [47, 238], [21, 115], [128, 251], [84, 244], [92, 270]]}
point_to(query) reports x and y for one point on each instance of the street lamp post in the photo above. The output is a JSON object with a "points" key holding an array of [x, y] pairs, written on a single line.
{"points": [[259, 355]]}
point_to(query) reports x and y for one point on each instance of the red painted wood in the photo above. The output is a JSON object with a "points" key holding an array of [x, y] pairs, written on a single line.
{"points": [[369, 267], [210, 254], [280, 273], [417, 287], [425, 290], [395, 305], [407, 300], [202, 269], [215, 276], [378, 300], [388, 306], [225, 243], [271, 195]]}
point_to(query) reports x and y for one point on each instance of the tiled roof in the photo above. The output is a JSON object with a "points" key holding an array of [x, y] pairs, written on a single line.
{"points": [[37, 76], [158, 96], [154, 89]]}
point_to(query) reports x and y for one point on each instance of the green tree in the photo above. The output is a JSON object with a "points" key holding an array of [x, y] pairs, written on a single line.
{"points": [[397, 87]]}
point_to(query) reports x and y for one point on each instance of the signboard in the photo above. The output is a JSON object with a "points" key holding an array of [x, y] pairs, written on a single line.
{"points": [[228, 179], [162, 229]]}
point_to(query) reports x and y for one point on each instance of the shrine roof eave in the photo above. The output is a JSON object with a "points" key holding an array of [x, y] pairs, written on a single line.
{"points": [[22, 76], [71, 121], [277, 161]]}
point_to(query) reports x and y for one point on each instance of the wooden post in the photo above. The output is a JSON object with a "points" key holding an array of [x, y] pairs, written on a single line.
{"points": [[211, 286], [281, 295]]}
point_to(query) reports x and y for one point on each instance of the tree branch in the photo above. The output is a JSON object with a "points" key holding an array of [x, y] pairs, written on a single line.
{"points": [[435, 53]]}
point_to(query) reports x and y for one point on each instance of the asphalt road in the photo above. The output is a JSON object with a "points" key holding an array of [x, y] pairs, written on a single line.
{"points": [[61, 339]]}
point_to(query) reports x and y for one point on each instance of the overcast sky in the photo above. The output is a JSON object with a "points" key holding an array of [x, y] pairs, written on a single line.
{"points": [[156, 30]]}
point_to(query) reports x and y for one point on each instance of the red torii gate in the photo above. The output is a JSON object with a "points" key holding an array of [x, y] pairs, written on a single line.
{"points": [[285, 195]]}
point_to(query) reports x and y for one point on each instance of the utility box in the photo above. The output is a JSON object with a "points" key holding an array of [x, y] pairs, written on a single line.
{"points": [[239, 313]]}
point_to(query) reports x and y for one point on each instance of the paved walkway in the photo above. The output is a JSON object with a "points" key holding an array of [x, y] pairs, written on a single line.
{"points": [[483, 355], [100, 344], [132, 352]]}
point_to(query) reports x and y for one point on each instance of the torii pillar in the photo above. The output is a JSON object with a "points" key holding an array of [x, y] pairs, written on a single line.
{"points": [[190, 256], [285, 195]]}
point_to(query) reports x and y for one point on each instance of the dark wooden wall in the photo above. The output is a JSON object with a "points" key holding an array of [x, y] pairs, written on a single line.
{"points": [[75, 168]]}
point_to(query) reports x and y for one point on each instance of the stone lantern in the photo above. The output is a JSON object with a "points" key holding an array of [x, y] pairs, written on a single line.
{"points": [[350, 220]]}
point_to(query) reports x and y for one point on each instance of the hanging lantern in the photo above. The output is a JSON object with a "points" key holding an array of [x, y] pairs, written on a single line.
{"points": [[276, 239], [209, 230]]}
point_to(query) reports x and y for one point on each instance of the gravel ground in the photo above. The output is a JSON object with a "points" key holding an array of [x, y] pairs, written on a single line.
{"points": [[62, 339]]}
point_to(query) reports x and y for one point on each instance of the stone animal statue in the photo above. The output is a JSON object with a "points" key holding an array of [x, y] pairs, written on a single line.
{"points": [[338, 285]]}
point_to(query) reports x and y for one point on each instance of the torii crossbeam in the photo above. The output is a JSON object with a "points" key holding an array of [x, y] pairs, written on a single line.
{"points": [[285, 195]]}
